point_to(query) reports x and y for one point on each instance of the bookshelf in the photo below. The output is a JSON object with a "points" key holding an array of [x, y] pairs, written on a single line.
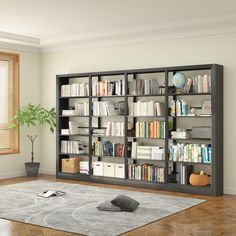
{"points": [[166, 170]]}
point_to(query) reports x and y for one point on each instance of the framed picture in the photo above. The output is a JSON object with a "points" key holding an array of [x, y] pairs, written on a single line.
{"points": [[206, 107]]}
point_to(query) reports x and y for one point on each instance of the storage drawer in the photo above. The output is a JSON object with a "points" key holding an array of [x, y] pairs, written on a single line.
{"points": [[98, 168], [109, 169], [70, 165], [120, 171]]}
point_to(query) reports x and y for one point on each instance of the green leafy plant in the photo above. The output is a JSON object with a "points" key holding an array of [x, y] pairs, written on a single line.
{"points": [[32, 116]]}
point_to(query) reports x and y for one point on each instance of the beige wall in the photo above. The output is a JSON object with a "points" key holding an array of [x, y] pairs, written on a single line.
{"points": [[212, 49], [13, 165]]}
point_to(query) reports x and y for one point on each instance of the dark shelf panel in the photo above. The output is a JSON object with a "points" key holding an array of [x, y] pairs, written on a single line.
{"points": [[189, 162], [188, 94], [147, 138], [111, 157], [143, 159], [146, 116], [71, 135], [110, 96], [109, 116], [61, 116], [75, 97], [74, 154], [191, 139], [189, 116], [104, 136], [151, 95]]}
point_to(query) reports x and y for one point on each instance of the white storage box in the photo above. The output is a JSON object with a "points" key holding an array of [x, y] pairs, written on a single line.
{"points": [[98, 168], [120, 171], [109, 169]]}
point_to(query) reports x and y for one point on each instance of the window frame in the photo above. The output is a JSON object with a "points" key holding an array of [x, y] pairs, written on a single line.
{"points": [[14, 60]]}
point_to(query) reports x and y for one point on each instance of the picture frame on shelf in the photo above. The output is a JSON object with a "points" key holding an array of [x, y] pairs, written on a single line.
{"points": [[206, 107]]}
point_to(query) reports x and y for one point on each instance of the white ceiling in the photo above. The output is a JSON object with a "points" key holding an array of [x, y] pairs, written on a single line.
{"points": [[54, 19]]}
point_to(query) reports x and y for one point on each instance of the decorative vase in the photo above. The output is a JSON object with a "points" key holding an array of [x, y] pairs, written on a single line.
{"points": [[32, 169], [196, 179]]}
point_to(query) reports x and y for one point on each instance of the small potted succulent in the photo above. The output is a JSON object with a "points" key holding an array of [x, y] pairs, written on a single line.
{"points": [[33, 116]]}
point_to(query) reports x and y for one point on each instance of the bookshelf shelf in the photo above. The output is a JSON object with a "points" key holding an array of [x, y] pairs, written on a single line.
{"points": [[145, 80], [189, 162], [71, 135], [189, 117], [188, 94]]}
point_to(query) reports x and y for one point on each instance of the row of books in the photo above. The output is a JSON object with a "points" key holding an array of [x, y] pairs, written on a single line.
{"points": [[179, 108], [103, 108], [149, 108], [81, 109], [142, 87], [198, 84], [115, 128], [108, 88], [146, 172], [74, 147], [199, 153], [75, 90], [84, 167], [147, 152], [101, 148], [150, 129]]}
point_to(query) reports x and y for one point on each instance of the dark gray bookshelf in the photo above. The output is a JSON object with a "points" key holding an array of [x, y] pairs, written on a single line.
{"points": [[216, 120]]}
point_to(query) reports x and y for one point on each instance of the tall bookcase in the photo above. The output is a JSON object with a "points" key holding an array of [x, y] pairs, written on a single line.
{"points": [[164, 93]]}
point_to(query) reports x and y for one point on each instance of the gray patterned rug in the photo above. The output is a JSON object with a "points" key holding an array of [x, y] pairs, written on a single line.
{"points": [[76, 211]]}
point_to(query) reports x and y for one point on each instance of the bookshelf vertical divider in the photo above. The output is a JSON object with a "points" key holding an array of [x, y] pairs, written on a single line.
{"points": [[215, 120]]}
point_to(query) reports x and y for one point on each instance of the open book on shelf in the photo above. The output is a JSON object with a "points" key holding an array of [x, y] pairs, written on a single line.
{"points": [[51, 193]]}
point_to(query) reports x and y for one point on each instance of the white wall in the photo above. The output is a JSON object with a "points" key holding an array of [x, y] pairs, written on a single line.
{"points": [[211, 49], [13, 165]]}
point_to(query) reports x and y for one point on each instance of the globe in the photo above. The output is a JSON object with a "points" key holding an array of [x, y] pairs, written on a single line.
{"points": [[179, 80]]}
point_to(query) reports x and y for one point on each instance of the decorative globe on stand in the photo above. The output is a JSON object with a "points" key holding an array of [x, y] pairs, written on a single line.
{"points": [[179, 80]]}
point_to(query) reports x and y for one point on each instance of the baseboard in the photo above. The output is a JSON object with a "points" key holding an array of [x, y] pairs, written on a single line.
{"points": [[47, 172], [12, 175], [230, 190]]}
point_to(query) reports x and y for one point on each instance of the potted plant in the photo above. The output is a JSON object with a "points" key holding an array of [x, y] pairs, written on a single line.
{"points": [[32, 116]]}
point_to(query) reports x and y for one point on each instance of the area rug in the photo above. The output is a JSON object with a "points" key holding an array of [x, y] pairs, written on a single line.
{"points": [[76, 211]]}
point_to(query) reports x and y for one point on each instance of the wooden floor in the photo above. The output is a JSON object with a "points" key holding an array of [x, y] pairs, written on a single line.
{"points": [[215, 217]]}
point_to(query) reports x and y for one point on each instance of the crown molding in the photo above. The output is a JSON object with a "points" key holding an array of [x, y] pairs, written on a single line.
{"points": [[19, 43], [194, 27]]}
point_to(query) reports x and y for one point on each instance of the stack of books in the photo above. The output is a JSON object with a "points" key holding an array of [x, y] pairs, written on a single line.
{"points": [[150, 129], [181, 134], [108, 88], [75, 90], [80, 109], [84, 167], [146, 172], [147, 152], [149, 108]]}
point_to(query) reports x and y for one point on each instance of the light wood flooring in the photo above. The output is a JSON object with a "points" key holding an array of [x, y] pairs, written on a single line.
{"points": [[213, 218]]}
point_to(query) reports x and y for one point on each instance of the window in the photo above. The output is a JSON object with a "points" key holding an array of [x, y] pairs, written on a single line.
{"points": [[9, 101]]}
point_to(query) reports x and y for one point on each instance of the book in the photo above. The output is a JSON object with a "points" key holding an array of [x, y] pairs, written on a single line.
{"points": [[51, 193]]}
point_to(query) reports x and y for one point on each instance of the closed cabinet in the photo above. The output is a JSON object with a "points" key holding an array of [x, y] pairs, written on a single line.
{"points": [[98, 168], [109, 169], [119, 170]]}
